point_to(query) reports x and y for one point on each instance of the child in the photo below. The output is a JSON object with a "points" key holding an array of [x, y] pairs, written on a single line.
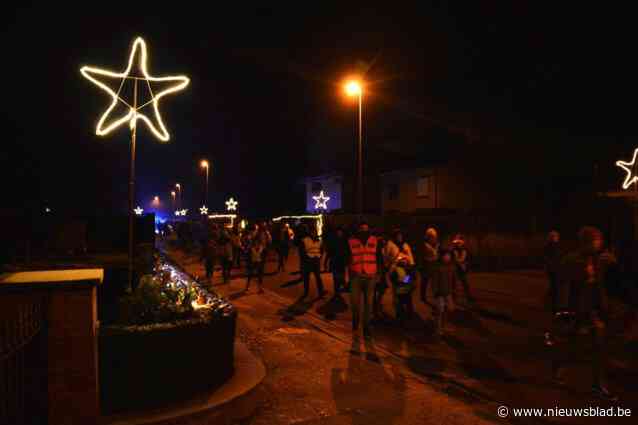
{"points": [[256, 263], [402, 278], [443, 282], [402, 274]]}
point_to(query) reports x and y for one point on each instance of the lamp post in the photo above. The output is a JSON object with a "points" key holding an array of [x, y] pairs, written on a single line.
{"points": [[172, 199], [109, 121], [204, 164], [354, 88], [179, 194]]}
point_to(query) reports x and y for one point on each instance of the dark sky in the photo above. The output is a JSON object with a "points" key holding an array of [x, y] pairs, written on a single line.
{"points": [[264, 104]]}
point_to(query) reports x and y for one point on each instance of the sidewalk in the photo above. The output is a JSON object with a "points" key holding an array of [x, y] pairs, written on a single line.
{"points": [[493, 354]]}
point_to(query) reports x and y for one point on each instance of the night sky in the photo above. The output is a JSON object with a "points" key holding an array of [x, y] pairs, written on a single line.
{"points": [[553, 88]]}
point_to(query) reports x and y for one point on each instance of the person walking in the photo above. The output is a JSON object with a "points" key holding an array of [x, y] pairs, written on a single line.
{"points": [[283, 246], [443, 282], [300, 234], [256, 264], [582, 309], [337, 253], [363, 255], [235, 239], [313, 249], [401, 275], [552, 257], [381, 282], [209, 256], [460, 258], [429, 260], [226, 254]]}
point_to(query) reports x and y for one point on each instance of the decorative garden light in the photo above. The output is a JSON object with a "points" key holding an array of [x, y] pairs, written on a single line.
{"points": [[203, 210], [153, 121], [321, 201], [231, 205], [628, 167], [138, 210]]}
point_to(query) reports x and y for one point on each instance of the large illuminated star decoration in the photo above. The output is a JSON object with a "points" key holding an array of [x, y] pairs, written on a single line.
{"points": [[321, 201], [231, 205], [203, 210], [628, 167], [99, 77], [138, 210]]}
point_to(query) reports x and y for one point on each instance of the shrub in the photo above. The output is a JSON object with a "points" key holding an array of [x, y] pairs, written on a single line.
{"points": [[157, 301]]}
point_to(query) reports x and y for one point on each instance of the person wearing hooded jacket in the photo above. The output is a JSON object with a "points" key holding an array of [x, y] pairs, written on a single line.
{"points": [[582, 309]]}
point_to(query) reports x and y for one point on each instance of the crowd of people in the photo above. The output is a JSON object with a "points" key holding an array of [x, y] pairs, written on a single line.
{"points": [[368, 265]]}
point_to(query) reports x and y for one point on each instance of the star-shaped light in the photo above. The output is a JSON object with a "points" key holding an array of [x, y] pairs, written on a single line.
{"points": [[138, 210], [231, 205], [628, 167], [321, 201], [98, 76], [181, 212], [203, 210]]}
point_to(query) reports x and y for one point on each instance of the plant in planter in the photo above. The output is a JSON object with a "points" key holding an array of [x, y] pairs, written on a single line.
{"points": [[155, 302]]}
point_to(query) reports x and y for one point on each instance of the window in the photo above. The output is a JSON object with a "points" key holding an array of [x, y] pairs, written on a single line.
{"points": [[393, 191], [316, 187], [423, 187]]}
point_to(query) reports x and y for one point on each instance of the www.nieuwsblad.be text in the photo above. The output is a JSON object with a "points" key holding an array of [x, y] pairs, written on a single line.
{"points": [[557, 412]]}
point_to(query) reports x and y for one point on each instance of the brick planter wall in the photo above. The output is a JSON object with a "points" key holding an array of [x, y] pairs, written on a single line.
{"points": [[149, 366]]}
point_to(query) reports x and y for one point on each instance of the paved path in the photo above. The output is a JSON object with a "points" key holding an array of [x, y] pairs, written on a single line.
{"points": [[493, 355]]}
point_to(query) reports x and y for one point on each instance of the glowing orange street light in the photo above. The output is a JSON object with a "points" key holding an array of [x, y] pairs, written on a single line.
{"points": [[204, 164], [179, 192], [173, 199], [355, 88]]}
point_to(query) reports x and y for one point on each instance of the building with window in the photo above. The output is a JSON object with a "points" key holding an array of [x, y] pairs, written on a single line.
{"points": [[436, 187]]}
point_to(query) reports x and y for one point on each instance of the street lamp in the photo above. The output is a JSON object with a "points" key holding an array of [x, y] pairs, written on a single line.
{"points": [[355, 88], [204, 164], [179, 192], [172, 199]]}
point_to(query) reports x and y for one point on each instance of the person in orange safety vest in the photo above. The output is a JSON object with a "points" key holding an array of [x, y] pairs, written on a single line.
{"points": [[363, 256]]}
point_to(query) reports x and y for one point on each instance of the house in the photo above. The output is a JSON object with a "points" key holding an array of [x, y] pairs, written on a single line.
{"points": [[331, 185], [443, 186], [339, 187]]}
